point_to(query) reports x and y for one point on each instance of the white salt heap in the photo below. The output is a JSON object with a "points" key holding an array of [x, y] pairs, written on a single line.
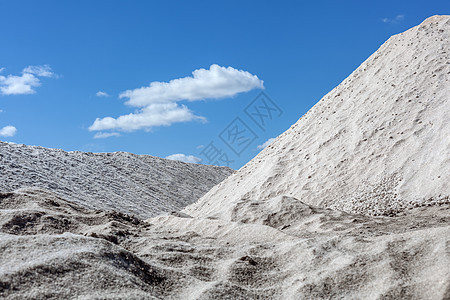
{"points": [[143, 185], [295, 223], [376, 144]]}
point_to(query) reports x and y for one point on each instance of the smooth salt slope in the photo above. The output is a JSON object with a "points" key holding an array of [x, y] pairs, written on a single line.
{"points": [[377, 143]]}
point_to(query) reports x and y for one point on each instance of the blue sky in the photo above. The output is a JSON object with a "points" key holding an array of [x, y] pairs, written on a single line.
{"points": [[56, 56]]}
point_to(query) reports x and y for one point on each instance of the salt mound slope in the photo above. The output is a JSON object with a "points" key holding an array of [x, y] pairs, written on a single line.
{"points": [[377, 143], [139, 184], [51, 248]]}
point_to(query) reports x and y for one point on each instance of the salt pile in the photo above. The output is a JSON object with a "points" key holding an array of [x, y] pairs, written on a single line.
{"points": [[143, 185], [376, 144], [297, 222]]}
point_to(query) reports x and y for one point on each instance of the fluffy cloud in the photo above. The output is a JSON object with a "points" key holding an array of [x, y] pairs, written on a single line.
{"points": [[158, 105], [8, 131], [185, 158], [18, 85], [217, 82], [102, 94], [25, 83], [266, 143], [104, 135], [397, 19], [163, 114]]}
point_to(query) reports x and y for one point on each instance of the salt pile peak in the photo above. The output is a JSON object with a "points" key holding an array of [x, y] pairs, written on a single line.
{"points": [[376, 144]]}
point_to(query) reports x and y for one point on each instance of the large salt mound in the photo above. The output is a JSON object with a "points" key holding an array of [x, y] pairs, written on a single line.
{"points": [[143, 185], [376, 144], [269, 247]]}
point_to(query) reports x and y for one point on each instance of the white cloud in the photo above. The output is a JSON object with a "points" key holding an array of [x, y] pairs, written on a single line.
{"points": [[163, 114], [217, 82], [8, 131], [25, 83], [102, 94], [18, 85], [104, 135], [2, 69], [42, 71], [158, 103], [266, 143], [397, 19], [184, 158]]}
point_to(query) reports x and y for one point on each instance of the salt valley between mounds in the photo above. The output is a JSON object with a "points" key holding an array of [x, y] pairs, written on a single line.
{"points": [[351, 202]]}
